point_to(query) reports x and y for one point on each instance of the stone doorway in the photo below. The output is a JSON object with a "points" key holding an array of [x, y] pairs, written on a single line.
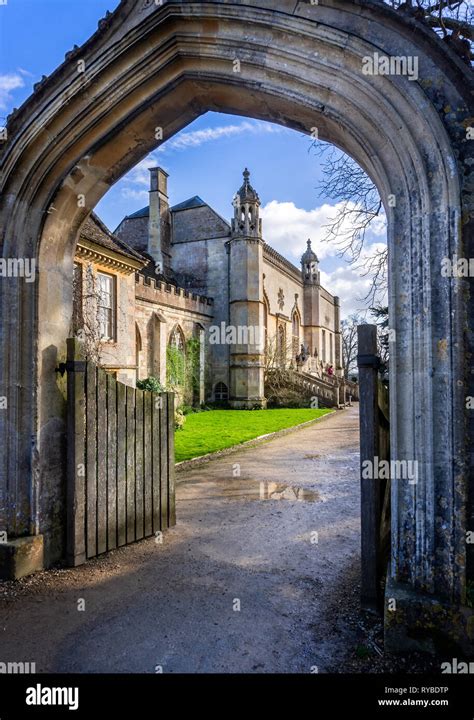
{"points": [[102, 111]]}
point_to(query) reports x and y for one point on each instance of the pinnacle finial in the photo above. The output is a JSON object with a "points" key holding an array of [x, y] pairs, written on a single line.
{"points": [[246, 174], [309, 244]]}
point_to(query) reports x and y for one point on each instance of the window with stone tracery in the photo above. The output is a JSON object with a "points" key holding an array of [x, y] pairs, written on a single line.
{"points": [[296, 334]]}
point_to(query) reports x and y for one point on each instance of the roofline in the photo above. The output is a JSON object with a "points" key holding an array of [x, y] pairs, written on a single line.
{"points": [[126, 249], [116, 260]]}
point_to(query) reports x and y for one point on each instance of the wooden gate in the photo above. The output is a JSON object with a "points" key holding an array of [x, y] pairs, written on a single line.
{"points": [[374, 449], [120, 460]]}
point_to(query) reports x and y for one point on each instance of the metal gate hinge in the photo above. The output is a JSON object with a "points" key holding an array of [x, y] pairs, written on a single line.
{"points": [[368, 361], [72, 366]]}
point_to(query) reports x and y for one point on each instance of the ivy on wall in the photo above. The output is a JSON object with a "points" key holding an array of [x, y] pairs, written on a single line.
{"points": [[183, 369]]}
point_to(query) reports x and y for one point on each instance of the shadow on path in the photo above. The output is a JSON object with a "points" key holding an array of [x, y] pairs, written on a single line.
{"points": [[264, 538]]}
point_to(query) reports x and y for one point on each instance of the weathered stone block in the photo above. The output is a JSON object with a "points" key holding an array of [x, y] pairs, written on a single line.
{"points": [[20, 557], [424, 623]]}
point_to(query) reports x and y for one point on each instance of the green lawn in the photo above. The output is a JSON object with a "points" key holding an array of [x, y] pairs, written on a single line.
{"points": [[214, 430]]}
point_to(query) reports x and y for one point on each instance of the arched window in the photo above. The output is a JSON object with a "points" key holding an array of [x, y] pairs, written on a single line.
{"points": [[177, 339], [281, 346], [138, 349], [295, 322], [221, 392], [176, 359], [266, 312]]}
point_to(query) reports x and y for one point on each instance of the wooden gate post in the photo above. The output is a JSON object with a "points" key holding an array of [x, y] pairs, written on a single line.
{"points": [[171, 462], [76, 463], [368, 363]]}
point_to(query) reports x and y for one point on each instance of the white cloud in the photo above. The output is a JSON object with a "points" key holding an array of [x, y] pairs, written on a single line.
{"points": [[10, 82], [196, 138], [351, 284], [139, 175], [287, 227], [130, 194]]}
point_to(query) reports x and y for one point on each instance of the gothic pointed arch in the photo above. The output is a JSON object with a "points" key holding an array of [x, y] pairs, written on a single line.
{"points": [[266, 315], [138, 349], [177, 338], [172, 62], [295, 331]]}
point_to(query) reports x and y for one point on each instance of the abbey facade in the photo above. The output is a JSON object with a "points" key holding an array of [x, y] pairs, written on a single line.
{"points": [[184, 277]]}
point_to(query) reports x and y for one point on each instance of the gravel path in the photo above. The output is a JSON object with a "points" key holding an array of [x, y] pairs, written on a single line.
{"points": [[255, 577]]}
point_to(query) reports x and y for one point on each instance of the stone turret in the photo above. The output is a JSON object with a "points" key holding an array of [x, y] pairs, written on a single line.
{"points": [[246, 300], [310, 266], [311, 298], [246, 221]]}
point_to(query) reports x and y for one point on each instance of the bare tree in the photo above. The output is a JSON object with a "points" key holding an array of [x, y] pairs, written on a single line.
{"points": [[349, 343], [359, 205], [277, 354], [277, 373], [86, 314], [346, 182], [450, 19], [381, 317]]}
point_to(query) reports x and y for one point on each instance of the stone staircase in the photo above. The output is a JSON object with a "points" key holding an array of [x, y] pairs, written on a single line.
{"points": [[288, 387]]}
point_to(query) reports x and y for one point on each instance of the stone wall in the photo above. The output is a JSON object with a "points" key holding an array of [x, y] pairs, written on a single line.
{"points": [[159, 309], [198, 223], [200, 261], [315, 305], [134, 232]]}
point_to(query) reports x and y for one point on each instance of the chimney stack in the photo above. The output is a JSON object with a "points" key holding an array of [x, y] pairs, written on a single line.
{"points": [[158, 224]]}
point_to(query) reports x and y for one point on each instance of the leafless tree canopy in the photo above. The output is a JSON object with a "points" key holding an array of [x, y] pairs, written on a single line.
{"points": [[451, 19], [347, 184], [349, 343]]}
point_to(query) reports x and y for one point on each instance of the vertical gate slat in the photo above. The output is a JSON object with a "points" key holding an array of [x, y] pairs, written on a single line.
{"points": [[369, 452], [91, 439], [101, 462], [148, 452], [171, 470], [157, 401], [164, 460], [121, 466], [139, 465], [76, 459], [130, 396], [111, 463]]}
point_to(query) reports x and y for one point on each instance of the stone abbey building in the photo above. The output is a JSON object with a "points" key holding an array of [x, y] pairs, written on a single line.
{"points": [[171, 274]]}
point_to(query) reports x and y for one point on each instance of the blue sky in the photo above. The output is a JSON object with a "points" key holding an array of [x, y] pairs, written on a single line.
{"points": [[206, 159]]}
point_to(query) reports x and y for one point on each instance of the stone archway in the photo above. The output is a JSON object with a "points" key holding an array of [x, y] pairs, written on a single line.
{"points": [[150, 70]]}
